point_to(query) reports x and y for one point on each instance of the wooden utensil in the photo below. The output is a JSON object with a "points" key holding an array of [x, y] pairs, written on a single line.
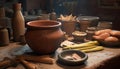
{"points": [[42, 59]]}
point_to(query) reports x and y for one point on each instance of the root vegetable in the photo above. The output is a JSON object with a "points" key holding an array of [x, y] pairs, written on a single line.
{"points": [[111, 39], [103, 31], [97, 37], [101, 36], [115, 33], [104, 35]]}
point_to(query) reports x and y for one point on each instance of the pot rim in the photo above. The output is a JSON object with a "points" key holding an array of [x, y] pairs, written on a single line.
{"points": [[29, 24]]}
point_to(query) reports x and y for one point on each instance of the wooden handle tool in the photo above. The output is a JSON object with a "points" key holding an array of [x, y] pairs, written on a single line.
{"points": [[7, 62], [28, 65], [42, 59]]}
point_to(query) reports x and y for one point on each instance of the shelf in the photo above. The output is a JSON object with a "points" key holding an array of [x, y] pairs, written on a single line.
{"points": [[111, 4]]}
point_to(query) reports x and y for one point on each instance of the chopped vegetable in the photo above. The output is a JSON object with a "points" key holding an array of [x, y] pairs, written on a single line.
{"points": [[76, 56]]}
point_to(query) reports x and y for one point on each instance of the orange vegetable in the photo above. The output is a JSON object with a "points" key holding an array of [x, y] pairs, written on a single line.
{"points": [[115, 33], [103, 31], [104, 35], [97, 37], [111, 39]]}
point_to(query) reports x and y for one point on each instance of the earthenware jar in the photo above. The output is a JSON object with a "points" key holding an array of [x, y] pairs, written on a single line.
{"points": [[18, 23], [4, 38], [43, 36], [84, 24]]}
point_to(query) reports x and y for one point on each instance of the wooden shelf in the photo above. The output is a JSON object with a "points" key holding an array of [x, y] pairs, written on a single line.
{"points": [[111, 4]]}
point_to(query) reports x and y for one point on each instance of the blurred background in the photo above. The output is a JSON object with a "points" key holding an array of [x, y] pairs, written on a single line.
{"points": [[107, 10]]}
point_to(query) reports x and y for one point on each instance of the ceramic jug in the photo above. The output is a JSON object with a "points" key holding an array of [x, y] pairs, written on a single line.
{"points": [[18, 23]]}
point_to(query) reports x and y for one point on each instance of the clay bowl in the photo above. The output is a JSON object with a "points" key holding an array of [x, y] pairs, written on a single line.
{"points": [[79, 36], [68, 26], [63, 57]]}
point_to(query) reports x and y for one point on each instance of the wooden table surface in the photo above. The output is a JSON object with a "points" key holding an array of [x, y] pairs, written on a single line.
{"points": [[96, 60]]}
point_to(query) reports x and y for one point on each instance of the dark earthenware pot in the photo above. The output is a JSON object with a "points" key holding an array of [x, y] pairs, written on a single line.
{"points": [[43, 36]]}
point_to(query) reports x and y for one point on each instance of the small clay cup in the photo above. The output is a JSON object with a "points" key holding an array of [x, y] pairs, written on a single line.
{"points": [[68, 27]]}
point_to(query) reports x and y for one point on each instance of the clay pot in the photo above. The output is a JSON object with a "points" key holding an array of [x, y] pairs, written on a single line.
{"points": [[68, 27], [44, 36], [18, 22]]}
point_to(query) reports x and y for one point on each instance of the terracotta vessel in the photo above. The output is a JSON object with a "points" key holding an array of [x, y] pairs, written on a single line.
{"points": [[4, 38], [43, 36], [18, 22], [68, 27]]}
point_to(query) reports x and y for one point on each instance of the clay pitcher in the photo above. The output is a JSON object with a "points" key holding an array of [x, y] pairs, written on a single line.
{"points": [[18, 22], [43, 36]]}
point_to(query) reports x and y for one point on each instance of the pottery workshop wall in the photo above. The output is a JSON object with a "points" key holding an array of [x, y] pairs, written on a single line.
{"points": [[107, 10]]}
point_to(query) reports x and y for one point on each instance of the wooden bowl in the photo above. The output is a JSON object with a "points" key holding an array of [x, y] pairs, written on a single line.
{"points": [[109, 44]]}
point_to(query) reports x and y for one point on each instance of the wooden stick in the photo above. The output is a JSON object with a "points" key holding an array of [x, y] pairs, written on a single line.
{"points": [[5, 62], [28, 65], [41, 59]]}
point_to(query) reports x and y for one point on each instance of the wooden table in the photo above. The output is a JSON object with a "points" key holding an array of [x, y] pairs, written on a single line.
{"points": [[109, 58]]}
